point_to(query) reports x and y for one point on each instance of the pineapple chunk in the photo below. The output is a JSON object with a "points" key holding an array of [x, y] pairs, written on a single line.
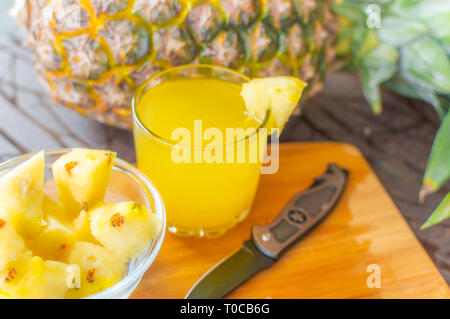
{"points": [[4, 295], [82, 176], [126, 229], [11, 244], [13, 275], [21, 195], [50, 207], [43, 279], [82, 228], [99, 269], [279, 95], [54, 241], [32, 277]]}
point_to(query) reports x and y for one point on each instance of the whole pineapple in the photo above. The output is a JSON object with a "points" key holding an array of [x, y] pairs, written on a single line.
{"points": [[93, 54]]}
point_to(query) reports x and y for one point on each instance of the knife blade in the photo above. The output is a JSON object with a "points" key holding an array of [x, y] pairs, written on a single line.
{"points": [[269, 242]]}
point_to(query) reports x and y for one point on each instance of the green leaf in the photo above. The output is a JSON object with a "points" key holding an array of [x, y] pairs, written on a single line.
{"points": [[418, 9], [371, 91], [441, 213], [437, 101], [351, 12], [399, 86], [376, 67], [437, 172], [381, 55], [365, 42], [435, 14], [398, 31], [424, 64], [445, 102], [440, 28]]}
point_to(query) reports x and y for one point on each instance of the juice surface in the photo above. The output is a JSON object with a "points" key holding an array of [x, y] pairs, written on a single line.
{"points": [[203, 199], [177, 103]]}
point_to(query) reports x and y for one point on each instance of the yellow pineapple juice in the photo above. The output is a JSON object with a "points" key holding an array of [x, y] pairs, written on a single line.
{"points": [[207, 183]]}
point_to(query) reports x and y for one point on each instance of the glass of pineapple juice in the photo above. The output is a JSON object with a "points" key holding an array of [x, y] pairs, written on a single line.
{"points": [[184, 119]]}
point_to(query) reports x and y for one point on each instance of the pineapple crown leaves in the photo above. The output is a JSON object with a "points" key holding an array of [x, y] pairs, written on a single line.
{"points": [[408, 53], [437, 172], [419, 32]]}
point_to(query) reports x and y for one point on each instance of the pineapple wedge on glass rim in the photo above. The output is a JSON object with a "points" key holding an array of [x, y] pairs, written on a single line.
{"points": [[279, 95], [82, 177]]}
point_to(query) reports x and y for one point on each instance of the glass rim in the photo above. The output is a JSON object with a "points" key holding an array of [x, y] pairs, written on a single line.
{"points": [[137, 121], [153, 194]]}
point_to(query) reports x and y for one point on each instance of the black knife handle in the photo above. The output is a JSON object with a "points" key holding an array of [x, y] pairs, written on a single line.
{"points": [[303, 212]]}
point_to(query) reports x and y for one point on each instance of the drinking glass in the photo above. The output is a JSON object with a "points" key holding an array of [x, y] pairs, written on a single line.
{"points": [[202, 199]]}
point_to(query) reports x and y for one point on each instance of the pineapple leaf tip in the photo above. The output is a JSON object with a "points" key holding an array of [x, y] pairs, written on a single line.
{"points": [[441, 213]]}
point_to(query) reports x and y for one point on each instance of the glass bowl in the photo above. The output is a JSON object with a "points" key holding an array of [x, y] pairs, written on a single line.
{"points": [[126, 184]]}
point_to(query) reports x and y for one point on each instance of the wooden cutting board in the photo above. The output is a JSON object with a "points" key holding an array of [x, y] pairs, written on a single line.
{"points": [[332, 261]]}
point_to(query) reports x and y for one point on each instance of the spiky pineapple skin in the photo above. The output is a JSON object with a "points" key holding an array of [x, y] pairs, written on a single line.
{"points": [[93, 54]]}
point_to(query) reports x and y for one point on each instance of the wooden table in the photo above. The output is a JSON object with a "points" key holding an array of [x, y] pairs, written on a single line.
{"points": [[396, 143]]}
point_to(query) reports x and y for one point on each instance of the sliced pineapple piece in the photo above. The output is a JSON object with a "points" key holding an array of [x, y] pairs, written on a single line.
{"points": [[82, 176], [13, 275], [4, 295], [44, 279], [279, 95], [126, 229], [21, 195], [31, 277], [50, 207], [11, 244], [99, 269], [54, 240], [82, 227]]}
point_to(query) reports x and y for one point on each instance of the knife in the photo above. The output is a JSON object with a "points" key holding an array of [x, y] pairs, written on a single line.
{"points": [[269, 242]]}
